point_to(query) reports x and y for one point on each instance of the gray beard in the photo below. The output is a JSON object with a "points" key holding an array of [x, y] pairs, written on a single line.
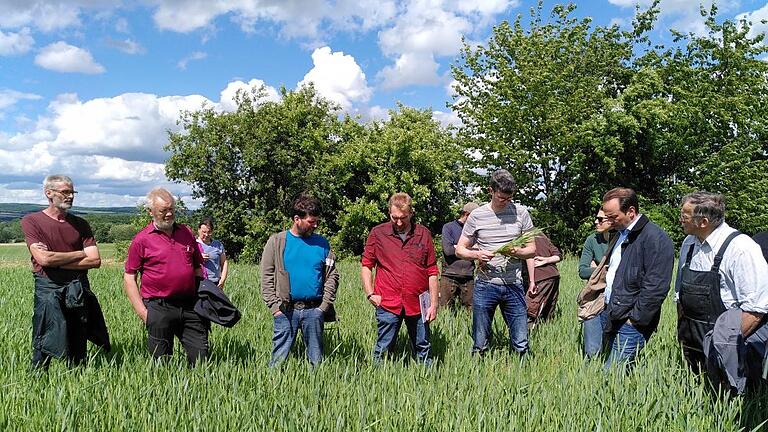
{"points": [[163, 225]]}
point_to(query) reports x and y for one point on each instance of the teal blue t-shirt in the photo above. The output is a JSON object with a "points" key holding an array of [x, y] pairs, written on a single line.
{"points": [[304, 261]]}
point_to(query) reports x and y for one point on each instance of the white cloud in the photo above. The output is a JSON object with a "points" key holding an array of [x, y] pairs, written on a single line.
{"points": [[116, 143], [374, 113], [755, 17], [127, 46], [44, 15], [16, 43], [62, 57], [424, 29], [428, 29], [132, 126], [227, 98], [337, 77], [364, 14], [447, 118], [197, 55], [11, 97], [486, 7], [121, 25], [684, 14], [410, 69]]}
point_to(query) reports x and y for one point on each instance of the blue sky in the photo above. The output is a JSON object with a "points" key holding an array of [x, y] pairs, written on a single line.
{"points": [[89, 87]]}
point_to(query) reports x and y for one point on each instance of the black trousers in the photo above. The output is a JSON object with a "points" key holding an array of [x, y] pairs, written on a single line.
{"points": [[168, 318]]}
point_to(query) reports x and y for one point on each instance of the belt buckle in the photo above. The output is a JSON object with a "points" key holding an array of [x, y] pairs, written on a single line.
{"points": [[299, 305]]}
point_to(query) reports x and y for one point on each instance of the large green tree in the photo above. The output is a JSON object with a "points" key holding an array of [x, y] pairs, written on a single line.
{"points": [[246, 165], [249, 163], [410, 152], [573, 110]]}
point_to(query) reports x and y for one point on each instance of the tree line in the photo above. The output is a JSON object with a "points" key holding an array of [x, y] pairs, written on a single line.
{"points": [[107, 228], [569, 108]]}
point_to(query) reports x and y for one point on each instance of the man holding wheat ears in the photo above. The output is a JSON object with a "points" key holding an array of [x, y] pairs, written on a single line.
{"points": [[499, 236]]}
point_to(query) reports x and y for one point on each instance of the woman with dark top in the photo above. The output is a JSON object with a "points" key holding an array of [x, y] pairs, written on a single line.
{"points": [[595, 248]]}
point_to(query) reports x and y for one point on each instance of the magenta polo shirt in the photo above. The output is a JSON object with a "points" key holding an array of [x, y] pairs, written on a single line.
{"points": [[167, 263]]}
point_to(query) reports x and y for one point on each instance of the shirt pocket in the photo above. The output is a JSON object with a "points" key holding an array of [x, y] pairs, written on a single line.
{"points": [[417, 254]]}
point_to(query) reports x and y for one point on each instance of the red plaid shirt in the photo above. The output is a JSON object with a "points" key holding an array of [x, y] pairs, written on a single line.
{"points": [[402, 267]]}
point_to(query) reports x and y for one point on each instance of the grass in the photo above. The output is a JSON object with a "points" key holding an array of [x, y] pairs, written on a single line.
{"points": [[552, 390]]}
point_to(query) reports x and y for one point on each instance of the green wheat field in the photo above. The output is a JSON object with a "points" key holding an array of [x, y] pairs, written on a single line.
{"points": [[552, 390]]}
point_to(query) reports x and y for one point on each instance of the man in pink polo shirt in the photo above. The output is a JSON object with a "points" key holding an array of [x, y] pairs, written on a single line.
{"points": [[403, 255], [166, 255]]}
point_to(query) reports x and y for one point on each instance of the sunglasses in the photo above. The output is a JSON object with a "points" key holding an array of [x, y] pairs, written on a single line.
{"points": [[600, 219]]}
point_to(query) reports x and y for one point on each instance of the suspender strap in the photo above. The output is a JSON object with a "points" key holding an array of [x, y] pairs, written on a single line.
{"points": [[721, 252]]}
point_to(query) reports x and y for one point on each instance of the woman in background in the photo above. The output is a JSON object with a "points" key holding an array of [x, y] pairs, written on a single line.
{"points": [[595, 248], [215, 267]]}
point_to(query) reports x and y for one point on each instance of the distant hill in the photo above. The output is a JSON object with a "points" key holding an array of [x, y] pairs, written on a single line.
{"points": [[12, 211]]}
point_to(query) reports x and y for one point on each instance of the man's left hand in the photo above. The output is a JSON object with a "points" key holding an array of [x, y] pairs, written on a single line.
{"points": [[431, 313]]}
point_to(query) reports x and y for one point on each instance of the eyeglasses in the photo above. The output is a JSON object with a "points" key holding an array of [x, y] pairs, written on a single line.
{"points": [[67, 192], [600, 219]]}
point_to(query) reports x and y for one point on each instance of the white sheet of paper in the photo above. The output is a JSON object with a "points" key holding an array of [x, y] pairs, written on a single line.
{"points": [[424, 303]]}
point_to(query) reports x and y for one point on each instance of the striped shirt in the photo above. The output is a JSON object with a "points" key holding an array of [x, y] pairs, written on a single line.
{"points": [[489, 231]]}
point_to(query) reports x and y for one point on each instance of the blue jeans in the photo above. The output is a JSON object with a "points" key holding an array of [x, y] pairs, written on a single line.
{"points": [[287, 326], [592, 333], [625, 344], [388, 325], [511, 302]]}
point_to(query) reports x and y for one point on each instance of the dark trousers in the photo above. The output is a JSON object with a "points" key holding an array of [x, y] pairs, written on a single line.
{"points": [[168, 318], [542, 304], [452, 286]]}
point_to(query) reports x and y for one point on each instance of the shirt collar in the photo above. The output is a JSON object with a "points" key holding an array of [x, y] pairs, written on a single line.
{"points": [[632, 224], [716, 237]]}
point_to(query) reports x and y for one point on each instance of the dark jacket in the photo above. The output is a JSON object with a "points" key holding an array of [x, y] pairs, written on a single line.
{"points": [[49, 322], [213, 305], [454, 266], [642, 279]]}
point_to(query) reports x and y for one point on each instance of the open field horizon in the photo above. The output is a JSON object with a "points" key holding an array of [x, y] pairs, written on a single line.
{"points": [[553, 389]]}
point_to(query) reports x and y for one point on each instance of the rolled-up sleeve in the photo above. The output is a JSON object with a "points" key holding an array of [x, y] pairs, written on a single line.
{"points": [[750, 277]]}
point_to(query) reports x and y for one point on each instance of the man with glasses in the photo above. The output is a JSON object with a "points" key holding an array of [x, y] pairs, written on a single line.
{"points": [[63, 248], [299, 281], [637, 280], [722, 295], [166, 256], [499, 279], [403, 255]]}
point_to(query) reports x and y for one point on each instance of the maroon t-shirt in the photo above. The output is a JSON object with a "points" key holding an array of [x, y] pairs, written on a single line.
{"points": [[67, 235], [402, 267], [167, 263]]}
